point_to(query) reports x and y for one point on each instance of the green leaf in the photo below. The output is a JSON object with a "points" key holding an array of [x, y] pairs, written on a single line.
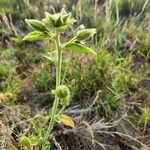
{"points": [[70, 21], [36, 35], [79, 48], [85, 34], [66, 17], [36, 24]]}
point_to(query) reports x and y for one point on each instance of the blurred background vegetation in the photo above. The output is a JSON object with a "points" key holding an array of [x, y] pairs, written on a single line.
{"points": [[118, 80]]}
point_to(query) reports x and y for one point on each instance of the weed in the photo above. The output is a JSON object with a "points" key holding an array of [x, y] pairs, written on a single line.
{"points": [[51, 27], [145, 116]]}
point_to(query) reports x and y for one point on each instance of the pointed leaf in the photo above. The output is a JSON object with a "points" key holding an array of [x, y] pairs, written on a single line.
{"points": [[35, 35], [71, 21], [79, 48], [63, 11], [51, 20], [66, 17], [35, 24], [67, 120]]}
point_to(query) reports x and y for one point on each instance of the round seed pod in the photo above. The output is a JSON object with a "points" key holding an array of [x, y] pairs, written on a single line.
{"points": [[62, 92]]}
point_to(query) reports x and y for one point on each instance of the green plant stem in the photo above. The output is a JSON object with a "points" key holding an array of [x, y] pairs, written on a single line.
{"points": [[61, 110], [58, 79], [58, 67]]}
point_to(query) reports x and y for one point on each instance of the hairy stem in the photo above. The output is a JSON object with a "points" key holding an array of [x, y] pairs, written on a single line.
{"points": [[58, 80]]}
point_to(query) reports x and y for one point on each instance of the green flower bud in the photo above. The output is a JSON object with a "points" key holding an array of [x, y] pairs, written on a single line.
{"points": [[62, 92], [51, 20], [85, 34], [59, 21]]}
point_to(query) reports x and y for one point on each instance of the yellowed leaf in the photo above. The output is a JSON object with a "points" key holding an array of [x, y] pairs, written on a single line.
{"points": [[67, 120]]}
